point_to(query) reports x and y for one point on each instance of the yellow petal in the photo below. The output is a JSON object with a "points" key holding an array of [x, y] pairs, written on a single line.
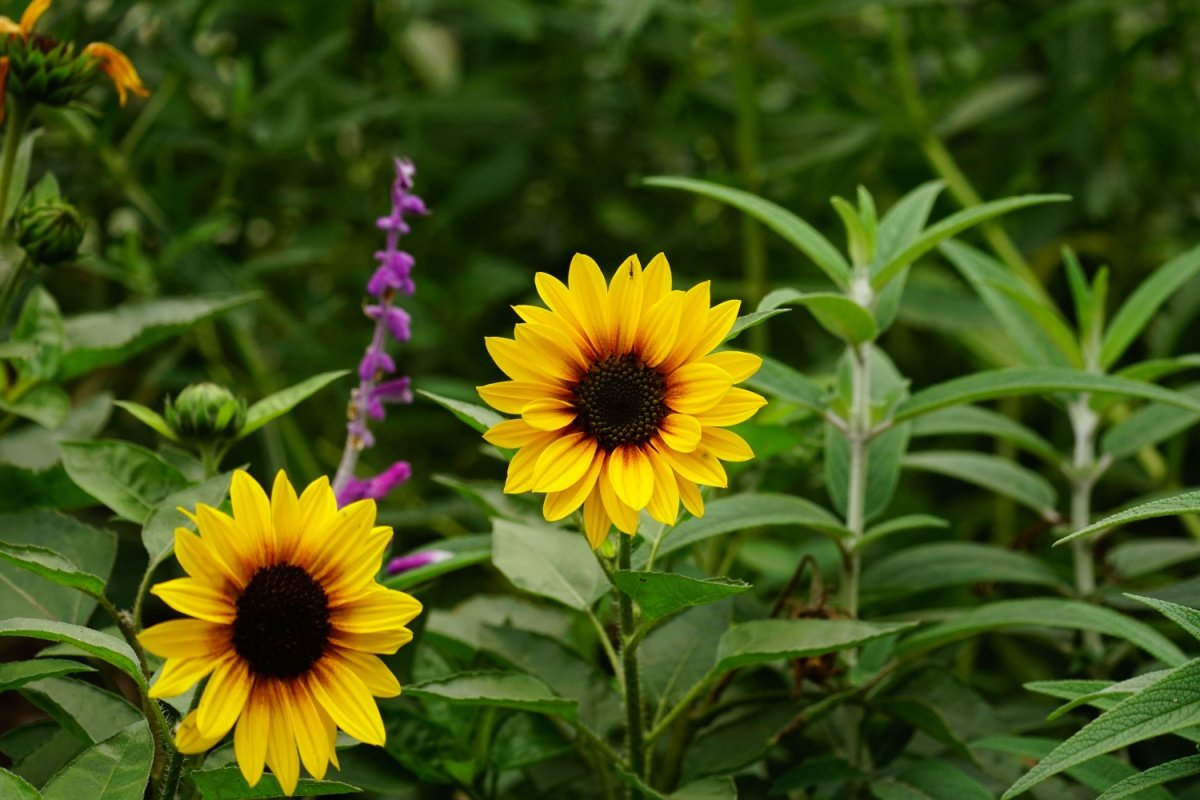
{"points": [[726, 445], [631, 475], [596, 523], [347, 700], [379, 610], [521, 467], [186, 638], [511, 361], [33, 12], [8, 27], [563, 462], [660, 328], [320, 546], [739, 365], [180, 674], [512, 433], [561, 301], [388, 641], [689, 493], [624, 517], [548, 414], [188, 738], [700, 466], [351, 572], [119, 69], [281, 740], [285, 516], [664, 502], [717, 324], [696, 387], [250, 735], [559, 504], [308, 728], [378, 679], [625, 295], [551, 358], [681, 432], [551, 339], [692, 318], [545, 316], [224, 697], [590, 293], [196, 559], [226, 544], [252, 513], [737, 406], [318, 504], [509, 397], [657, 278], [196, 599]]}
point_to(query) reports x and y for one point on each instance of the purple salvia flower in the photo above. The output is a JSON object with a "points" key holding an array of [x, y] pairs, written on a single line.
{"points": [[375, 488], [374, 362], [394, 391], [397, 320], [418, 560], [394, 273]]}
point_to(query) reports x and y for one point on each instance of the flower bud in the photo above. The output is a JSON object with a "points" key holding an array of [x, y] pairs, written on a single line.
{"points": [[44, 70], [49, 231], [205, 413]]}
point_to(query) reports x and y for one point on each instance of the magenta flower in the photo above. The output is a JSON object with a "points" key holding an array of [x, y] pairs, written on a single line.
{"points": [[375, 488], [418, 560]]}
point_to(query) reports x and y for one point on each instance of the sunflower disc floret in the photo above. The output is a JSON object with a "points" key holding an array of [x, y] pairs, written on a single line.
{"points": [[285, 619], [623, 402]]}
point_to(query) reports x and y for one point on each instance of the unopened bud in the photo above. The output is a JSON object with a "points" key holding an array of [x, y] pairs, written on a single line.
{"points": [[205, 413]]}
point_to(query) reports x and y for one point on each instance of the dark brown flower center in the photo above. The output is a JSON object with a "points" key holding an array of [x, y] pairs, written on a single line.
{"points": [[620, 401], [282, 623]]}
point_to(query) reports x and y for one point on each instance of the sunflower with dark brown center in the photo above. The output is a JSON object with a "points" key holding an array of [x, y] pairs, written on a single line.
{"points": [[286, 620], [623, 402]]}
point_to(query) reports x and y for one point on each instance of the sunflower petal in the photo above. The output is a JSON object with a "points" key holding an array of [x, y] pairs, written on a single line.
{"points": [[737, 406], [33, 12], [347, 700], [632, 476], [379, 610], [194, 556], [185, 638], [590, 293], [521, 468], [726, 445], [224, 697], [657, 278], [512, 361], [717, 324], [660, 328], [510, 434], [281, 740], [559, 504], [563, 462], [552, 358], [625, 295], [308, 728], [509, 397], [561, 301], [548, 414], [252, 513], [596, 522], [696, 387], [739, 365], [180, 674], [692, 317], [624, 517], [386, 642], [680, 432], [250, 735], [196, 599], [188, 738], [285, 516], [664, 502], [689, 493], [378, 679], [700, 466]]}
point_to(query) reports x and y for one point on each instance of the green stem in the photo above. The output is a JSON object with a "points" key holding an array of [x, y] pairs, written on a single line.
{"points": [[169, 787], [12, 287], [859, 434], [1083, 476], [634, 745], [18, 117], [754, 260]]}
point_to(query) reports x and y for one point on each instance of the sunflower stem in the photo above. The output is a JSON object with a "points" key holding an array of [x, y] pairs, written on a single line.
{"points": [[18, 117], [631, 683]]}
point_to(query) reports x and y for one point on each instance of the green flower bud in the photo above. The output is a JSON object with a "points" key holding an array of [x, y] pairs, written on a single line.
{"points": [[205, 413], [49, 231], [44, 70]]}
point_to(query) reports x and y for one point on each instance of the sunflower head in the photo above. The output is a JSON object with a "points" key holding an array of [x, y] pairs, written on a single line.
{"points": [[284, 617], [623, 402]]}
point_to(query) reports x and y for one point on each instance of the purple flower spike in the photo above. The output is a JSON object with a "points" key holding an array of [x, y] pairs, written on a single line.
{"points": [[374, 362], [375, 488], [395, 391], [397, 320], [418, 560]]}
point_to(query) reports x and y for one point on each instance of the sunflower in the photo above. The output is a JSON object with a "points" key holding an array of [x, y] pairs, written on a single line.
{"points": [[286, 617], [622, 401]]}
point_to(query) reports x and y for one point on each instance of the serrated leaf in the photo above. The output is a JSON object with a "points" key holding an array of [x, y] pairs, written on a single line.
{"points": [[15, 674], [777, 379], [502, 689], [105, 338], [101, 645], [659, 594], [129, 479], [1185, 503], [1146, 555], [25, 594], [115, 769], [1141, 306], [476, 416], [765, 640], [996, 474], [1155, 776], [796, 231], [745, 511], [934, 235], [276, 405], [1043, 613], [1016, 381], [158, 534], [1097, 773], [925, 567], [52, 566], [1184, 617], [148, 417], [1171, 703], [551, 563], [227, 783]]}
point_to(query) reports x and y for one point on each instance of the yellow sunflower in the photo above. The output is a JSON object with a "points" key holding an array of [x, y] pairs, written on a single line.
{"points": [[622, 401], [287, 619]]}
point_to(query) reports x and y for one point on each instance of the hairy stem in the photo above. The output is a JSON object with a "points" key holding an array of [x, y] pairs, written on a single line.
{"points": [[18, 117], [631, 683], [1083, 476], [858, 433]]}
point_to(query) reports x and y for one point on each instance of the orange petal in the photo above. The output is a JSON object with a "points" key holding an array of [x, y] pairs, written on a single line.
{"points": [[118, 67]]}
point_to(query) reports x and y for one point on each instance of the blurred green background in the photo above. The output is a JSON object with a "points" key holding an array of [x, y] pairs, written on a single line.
{"points": [[263, 157]]}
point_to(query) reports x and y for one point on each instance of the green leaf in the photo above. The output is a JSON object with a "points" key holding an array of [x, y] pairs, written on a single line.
{"points": [[796, 231], [839, 315], [1048, 320], [1143, 304], [130, 480], [766, 640], [659, 594], [1150, 425], [1146, 555], [1042, 613], [20, 174], [47, 405], [14, 787], [745, 511], [908, 522], [1097, 774], [1171, 703], [955, 223], [477, 417], [40, 325], [933, 566], [1185, 503], [89, 712], [751, 320], [1184, 617], [1155, 776], [501, 689], [25, 594], [963, 420], [52, 566], [276, 405], [148, 417], [1155, 368], [101, 645], [903, 222], [885, 456], [15, 674], [227, 783], [681, 652], [996, 474], [1015, 381], [158, 534], [779, 380], [105, 338], [549, 562], [926, 718], [116, 769], [465, 551]]}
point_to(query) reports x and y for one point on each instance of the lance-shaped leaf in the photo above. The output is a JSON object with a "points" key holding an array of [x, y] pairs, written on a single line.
{"points": [[765, 640], [15, 674], [661, 593], [982, 421], [751, 320], [129, 479], [276, 405], [1155, 776], [502, 689], [999, 475], [1143, 304], [476, 416], [52, 566], [836, 313], [933, 566], [101, 645], [1184, 503], [777, 379]]}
